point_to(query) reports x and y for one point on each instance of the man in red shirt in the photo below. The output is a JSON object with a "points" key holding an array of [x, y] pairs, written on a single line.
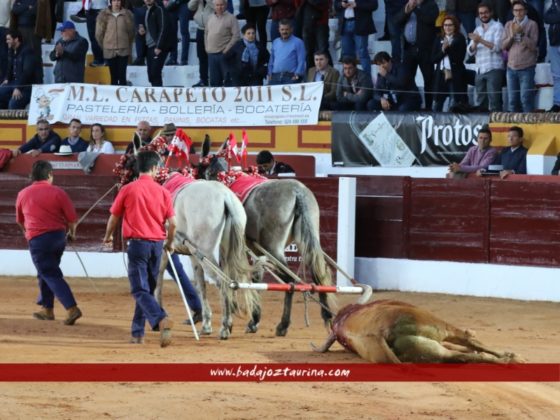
{"points": [[44, 213], [145, 206]]}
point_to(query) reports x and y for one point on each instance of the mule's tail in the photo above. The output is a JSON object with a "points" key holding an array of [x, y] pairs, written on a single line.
{"points": [[233, 257], [306, 236]]}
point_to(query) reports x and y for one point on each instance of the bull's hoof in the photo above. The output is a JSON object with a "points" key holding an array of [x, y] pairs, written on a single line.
{"points": [[252, 327], [281, 331]]}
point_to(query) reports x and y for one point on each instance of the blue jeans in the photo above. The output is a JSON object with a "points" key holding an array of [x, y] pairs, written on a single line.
{"points": [[395, 33], [139, 40], [91, 16], [144, 258], [352, 43], [46, 252], [190, 292], [489, 90], [6, 100], [218, 69], [183, 14], [468, 20], [554, 56], [521, 90]]}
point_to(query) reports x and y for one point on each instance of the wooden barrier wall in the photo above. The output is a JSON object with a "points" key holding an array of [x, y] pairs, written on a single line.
{"points": [[514, 221], [85, 190]]}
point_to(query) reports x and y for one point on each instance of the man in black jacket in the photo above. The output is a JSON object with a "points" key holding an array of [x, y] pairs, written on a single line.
{"points": [[395, 89], [23, 71], [247, 59], [158, 38], [69, 54], [419, 18]]}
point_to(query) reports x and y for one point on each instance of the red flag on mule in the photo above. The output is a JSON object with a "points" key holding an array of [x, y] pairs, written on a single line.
{"points": [[244, 146], [180, 146], [232, 147]]}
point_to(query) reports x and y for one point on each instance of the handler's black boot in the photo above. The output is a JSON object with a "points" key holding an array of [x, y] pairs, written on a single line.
{"points": [[45, 314], [73, 314]]}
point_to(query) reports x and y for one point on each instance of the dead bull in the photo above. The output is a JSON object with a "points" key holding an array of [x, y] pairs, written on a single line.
{"points": [[389, 331]]}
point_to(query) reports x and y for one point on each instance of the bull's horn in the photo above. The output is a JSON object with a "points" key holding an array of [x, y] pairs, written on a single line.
{"points": [[325, 347]]}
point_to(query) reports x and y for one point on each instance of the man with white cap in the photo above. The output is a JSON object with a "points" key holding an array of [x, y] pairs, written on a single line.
{"points": [[69, 54]]}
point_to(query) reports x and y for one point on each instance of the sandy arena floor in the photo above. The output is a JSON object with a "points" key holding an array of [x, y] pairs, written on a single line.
{"points": [[531, 329]]}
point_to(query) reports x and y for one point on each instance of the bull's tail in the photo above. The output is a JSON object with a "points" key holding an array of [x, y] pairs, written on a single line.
{"points": [[233, 258], [306, 236]]}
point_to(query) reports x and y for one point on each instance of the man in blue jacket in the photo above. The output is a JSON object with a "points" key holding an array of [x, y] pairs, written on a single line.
{"points": [[70, 55], [513, 158], [45, 141], [15, 89]]}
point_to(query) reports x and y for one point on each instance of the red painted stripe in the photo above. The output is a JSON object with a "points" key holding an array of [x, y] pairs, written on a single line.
{"points": [[276, 372]]}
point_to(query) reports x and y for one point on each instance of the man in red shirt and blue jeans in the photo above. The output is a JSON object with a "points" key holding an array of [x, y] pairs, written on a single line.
{"points": [[45, 213], [145, 206]]}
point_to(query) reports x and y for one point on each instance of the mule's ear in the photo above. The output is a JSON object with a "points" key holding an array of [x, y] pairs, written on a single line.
{"points": [[206, 145]]}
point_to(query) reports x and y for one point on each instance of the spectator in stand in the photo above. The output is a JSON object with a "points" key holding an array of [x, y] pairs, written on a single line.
{"points": [[513, 158], [44, 141], [419, 18], [47, 217], [552, 18], [247, 59], [97, 141], [5, 11], [448, 54], [466, 10], [76, 143], [220, 35], [556, 168], [478, 157], [355, 23], [394, 27], [203, 10], [180, 15], [142, 137], [280, 9], [287, 57], [256, 13], [23, 71], [268, 166], [69, 54], [33, 29], [328, 75], [486, 46], [158, 38], [115, 35], [354, 88], [534, 14], [312, 26], [395, 89], [520, 41]]}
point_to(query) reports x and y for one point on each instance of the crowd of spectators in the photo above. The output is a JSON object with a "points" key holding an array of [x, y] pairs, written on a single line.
{"points": [[504, 38]]}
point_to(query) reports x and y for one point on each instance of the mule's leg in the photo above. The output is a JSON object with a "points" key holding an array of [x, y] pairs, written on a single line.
{"points": [[282, 327], [201, 285], [159, 284], [227, 322], [253, 324], [326, 312]]}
